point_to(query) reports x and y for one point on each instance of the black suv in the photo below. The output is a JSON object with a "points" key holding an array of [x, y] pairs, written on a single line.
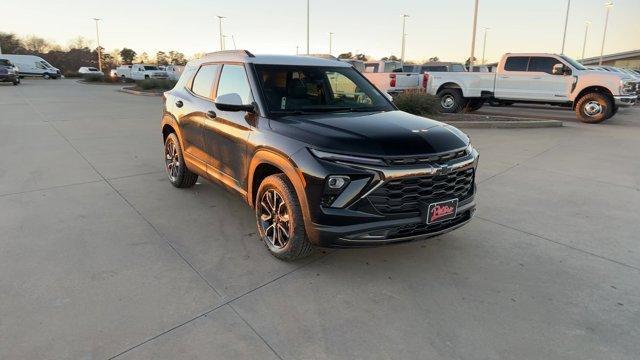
{"points": [[322, 156], [8, 72]]}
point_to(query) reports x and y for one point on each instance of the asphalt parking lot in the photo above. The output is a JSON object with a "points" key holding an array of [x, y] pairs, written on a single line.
{"points": [[101, 257]]}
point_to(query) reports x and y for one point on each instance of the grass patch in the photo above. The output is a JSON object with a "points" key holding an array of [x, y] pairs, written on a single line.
{"points": [[417, 103], [155, 84]]}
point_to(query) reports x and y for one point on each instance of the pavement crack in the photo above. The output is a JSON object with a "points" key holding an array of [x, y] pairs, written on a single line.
{"points": [[255, 332], [559, 243]]}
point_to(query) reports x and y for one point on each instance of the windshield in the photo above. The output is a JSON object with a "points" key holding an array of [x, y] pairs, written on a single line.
{"points": [[4, 62], [291, 89], [151, 67], [573, 63]]}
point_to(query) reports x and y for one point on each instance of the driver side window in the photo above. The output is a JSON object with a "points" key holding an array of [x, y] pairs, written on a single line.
{"points": [[233, 79]]}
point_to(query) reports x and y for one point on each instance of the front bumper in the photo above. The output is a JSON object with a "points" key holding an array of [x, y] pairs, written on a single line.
{"points": [[625, 100], [361, 223]]}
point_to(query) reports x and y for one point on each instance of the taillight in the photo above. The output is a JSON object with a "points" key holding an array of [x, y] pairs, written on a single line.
{"points": [[392, 80], [425, 80]]}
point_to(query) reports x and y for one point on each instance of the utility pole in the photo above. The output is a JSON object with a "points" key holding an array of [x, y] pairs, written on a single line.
{"points": [[404, 36], [484, 43], [233, 40], [99, 48], [584, 43], [297, 50], [330, 42], [473, 35], [220, 30], [608, 6], [307, 27], [566, 21]]}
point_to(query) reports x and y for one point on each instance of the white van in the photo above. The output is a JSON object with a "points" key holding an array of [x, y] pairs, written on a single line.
{"points": [[31, 65]]}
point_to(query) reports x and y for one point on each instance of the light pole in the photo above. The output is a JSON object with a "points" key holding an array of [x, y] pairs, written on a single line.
{"points": [[98, 40], [584, 43], [233, 40], [224, 41], [330, 42], [566, 21], [307, 27], [484, 43], [297, 50], [473, 35], [608, 6], [220, 30], [404, 36]]}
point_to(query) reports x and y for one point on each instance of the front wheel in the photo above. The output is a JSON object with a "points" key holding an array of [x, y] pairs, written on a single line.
{"points": [[451, 101], [46, 76], [594, 108], [177, 171], [279, 219], [16, 82]]}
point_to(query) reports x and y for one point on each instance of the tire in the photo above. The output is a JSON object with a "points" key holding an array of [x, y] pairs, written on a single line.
{"points": [[46, 76], [473, 105], [123, 78], [614, 111], [593, 108], [276, 195], [179, 175], [451, 101], [16, 82], [146, 77]]}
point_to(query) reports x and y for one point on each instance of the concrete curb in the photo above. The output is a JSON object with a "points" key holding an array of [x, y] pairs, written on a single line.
{"points": [[80, 81], [496, 122], [126, 89]]}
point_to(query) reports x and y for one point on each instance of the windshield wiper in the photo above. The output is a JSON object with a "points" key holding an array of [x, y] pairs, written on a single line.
{"points": [[343, 109]]}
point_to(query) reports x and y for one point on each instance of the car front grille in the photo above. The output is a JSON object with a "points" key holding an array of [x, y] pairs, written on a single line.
{"points": [[410, 194], [433, 159]]}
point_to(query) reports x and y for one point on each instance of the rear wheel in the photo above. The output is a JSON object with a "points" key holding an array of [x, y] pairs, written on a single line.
{"points": [[16, 82], [46, 76], [593, 108], [451, 101], [177, 171], [279, 219]]}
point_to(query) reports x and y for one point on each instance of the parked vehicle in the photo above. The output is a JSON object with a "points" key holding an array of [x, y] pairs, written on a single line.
{"points": [[140, 72], [8, 72], [389, 77], [435, 67], [537, 78], [89, 70], [31, 65], [319, 165], [173, 71]]}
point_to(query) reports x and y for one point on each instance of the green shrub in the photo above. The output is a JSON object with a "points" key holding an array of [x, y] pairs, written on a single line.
{"points": [[156, 84], [93, 77], [417, 103]]}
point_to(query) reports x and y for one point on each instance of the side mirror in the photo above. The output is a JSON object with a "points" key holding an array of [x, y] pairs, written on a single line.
{"points": [[561, 69], [233, 102]]}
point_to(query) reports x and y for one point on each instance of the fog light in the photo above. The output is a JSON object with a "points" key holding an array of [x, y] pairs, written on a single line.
{"points": [[337, 182]]}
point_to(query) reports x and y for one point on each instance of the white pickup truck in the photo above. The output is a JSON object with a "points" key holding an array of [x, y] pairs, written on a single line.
{"points": [[389, 77], [536, 78], [140, 72]]}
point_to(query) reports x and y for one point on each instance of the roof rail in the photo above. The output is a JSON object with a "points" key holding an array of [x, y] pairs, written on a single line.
{"points": [[231, 52]]}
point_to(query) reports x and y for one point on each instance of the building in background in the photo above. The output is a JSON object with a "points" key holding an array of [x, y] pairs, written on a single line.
{"points": [[626, 60]]}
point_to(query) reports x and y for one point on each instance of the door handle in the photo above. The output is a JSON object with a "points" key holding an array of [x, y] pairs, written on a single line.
{"points": [[503, 77], [179, 103], [211, 114], [537, 78]]}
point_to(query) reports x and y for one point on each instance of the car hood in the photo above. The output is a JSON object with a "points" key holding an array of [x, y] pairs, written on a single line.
{"points": [[391, 133], [603, 76]]}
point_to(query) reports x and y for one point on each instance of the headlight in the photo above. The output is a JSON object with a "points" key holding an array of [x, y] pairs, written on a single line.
{"points": [[347, 158]]}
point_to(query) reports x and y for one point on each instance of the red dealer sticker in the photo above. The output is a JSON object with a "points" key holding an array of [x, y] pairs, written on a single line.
{"points": [[441, 211]]}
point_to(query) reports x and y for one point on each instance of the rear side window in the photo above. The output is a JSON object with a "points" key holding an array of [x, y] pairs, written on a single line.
{"points": [[186, 75], [203, 82], [391, 66], [542, 64], [516, 63], [233, 79], [371, 68], [457, 68]]}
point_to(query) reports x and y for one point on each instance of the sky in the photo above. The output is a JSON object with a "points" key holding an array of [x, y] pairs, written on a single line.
{"points": [[440, 28]]}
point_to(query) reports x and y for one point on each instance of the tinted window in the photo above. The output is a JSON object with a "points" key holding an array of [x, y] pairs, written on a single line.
{"points": [[187, 74], [457, 68], [203, 82], [233, 79], [371, 68], [151, 68], [437, 68], [516, 63], [317, 89], [542, 64], [391, 66]]}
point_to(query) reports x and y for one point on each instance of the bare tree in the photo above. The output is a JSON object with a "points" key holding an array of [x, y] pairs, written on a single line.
{"points": [[36, 44], [80, 43]]}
